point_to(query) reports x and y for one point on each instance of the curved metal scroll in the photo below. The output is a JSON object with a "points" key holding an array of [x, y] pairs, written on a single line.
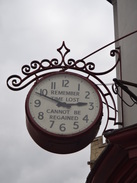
{"points": [[31, 72]]}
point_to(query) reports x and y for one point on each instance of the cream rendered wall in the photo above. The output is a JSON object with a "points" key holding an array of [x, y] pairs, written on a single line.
{"points": [[125, 21]]}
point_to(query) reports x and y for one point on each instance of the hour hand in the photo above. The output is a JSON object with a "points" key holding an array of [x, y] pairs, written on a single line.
{"points": [[79, 104], [68, 105], [63, 104]]}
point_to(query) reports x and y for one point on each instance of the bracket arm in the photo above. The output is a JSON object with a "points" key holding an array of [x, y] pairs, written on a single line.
{"points": [[121, 84]]}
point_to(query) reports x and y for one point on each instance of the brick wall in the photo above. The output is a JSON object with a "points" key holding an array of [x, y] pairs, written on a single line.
{"points": [[97, 146]]}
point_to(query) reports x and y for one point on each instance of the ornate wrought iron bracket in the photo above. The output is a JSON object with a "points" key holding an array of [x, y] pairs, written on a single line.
{"points": [[37, 69], [15, 82], [123, 86]]}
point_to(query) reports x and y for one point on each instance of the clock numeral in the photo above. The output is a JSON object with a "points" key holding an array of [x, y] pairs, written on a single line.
{"points": [[53, 85], [65, 83], [87, 95], [78, 87], [43, 91], [52, 123], [62, 127], [40, 115], [91, 105], [86, 118], [75, 125], [37, 103]]}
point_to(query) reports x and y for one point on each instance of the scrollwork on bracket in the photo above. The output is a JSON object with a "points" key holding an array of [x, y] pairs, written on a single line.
{"points": [[32, 71]]}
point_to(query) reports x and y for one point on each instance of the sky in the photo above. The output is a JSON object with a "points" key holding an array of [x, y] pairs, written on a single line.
{"points": [[33, 30]]}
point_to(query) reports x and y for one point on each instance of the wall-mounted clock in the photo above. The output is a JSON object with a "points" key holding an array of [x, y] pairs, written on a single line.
{"points": [[63, 112]]}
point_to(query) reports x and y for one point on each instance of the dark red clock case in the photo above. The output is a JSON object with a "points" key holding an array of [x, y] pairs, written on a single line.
{"points": [[62, 144]]}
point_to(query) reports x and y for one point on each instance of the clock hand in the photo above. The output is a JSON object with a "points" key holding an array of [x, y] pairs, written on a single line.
{"points": [[78, 104], [59, 104], [68, 105], [47, 97], [62, 104]]}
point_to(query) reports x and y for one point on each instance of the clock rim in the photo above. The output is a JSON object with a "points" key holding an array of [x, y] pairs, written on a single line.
{"points": [[39, 129]]}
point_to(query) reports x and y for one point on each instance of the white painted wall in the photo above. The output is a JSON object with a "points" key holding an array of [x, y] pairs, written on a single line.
{"points": [[125, 21]]}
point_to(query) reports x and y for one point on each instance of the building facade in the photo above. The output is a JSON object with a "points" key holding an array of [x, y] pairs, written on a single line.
{"points": [[125, 22], [117, 163], [97, 147]]}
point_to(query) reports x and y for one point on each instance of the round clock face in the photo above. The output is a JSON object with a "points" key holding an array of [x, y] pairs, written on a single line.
{"points": [[64, 103]]}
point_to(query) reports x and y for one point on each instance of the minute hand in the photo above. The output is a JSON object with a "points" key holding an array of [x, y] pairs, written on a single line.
{"points": [[59, 104], [47, 97]]}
